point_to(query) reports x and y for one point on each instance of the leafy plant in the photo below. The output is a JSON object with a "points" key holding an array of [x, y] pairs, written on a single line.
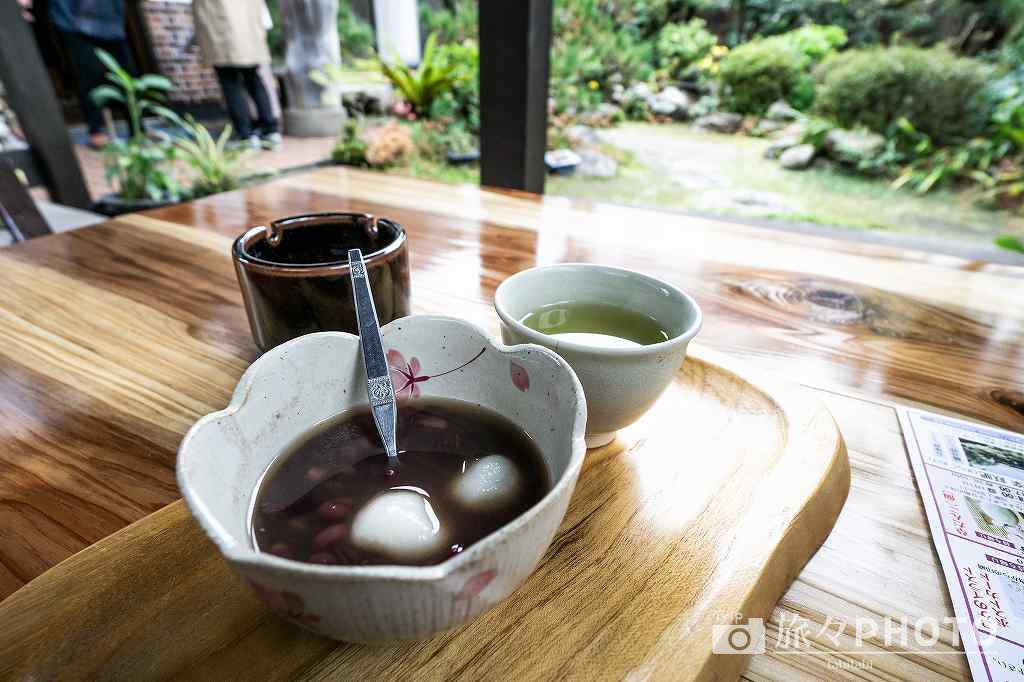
{"points": [[815, 132], [592, 51], [815, 43], [1010, 243], [139, 165], [940, 93], [927, 167], [356, 36], [217, 165], [420, 86], [681, 46], [456, 22], [1007, 93], [434, 139], [462, 101], [350, 149]]}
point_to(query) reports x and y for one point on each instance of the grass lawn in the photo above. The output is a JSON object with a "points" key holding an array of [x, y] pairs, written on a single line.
{"points": [[679, 167]]}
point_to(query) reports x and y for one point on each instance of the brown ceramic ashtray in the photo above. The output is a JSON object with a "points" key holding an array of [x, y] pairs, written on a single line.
{"points": [[295, 278]]}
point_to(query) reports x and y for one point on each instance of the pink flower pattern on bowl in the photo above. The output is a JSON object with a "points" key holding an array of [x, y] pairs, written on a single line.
{"points": [[405, 376], [476, 584], [520, 378], [285, 603]]}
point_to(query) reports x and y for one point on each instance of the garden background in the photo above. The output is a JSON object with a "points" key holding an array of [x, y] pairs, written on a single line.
{"points": [[893, 115]]}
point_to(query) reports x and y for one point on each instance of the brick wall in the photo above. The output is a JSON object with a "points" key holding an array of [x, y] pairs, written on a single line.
{"points": [[170, 30]]}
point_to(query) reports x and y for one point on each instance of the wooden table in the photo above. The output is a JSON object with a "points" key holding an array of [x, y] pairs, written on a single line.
{"points": [[115, 338]]}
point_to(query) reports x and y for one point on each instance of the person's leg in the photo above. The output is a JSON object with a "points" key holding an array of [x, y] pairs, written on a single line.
{"points": [[90, 73], [233, 87], [266, 122]]}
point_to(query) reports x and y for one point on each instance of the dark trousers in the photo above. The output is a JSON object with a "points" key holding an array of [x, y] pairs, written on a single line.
{"points": [[90, 71], [235, 82]]}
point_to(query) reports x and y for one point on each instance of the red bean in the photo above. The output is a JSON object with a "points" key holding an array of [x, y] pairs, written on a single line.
{"points": [[316, 473], [322, 558], [335, 510], [432, 421], [331, 534], [282, 549], [299, 524], [271, 507]]}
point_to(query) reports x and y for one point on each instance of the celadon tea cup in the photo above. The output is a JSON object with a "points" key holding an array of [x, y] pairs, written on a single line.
{"points": [[620, 383]]}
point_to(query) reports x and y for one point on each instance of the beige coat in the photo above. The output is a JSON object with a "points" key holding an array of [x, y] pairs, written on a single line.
{"points": [[230, 32]]}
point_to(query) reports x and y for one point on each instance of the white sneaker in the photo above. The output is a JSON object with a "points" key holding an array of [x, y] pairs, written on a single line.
{"points": [[255, 142], [272, 141]]}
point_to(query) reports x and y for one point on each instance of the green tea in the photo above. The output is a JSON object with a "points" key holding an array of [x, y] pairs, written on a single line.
{"points": [[596, 324]]}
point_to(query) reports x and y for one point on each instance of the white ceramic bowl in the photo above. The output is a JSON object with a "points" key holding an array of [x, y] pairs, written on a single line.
{"points": [[621, 384], [300, 383]]}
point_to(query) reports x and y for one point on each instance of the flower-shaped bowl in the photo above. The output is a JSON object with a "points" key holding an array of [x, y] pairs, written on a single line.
{"points": [[299, 384]]}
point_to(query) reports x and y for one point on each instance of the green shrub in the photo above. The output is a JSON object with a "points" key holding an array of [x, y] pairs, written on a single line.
{"points": [[462, 101], [763, 71], [940, 93], [815, 42], [356, 36], [350, 149], [453, 22], [679, 46], [758, 73], [591, 52]]}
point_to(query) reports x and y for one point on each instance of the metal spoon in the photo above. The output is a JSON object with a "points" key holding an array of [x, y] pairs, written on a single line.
{"points": [[379, 389]]}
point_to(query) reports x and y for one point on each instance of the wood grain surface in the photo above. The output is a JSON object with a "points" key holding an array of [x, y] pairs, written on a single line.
{"points": [[114, 338], [664, 539]]}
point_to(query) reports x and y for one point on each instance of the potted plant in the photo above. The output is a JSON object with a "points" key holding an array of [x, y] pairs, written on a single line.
{"points": [[217, 165], [140, 166]]}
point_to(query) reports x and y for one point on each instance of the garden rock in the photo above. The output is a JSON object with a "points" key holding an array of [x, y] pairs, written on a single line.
{"points": [[797, 130], [604, 116], [637, 91], [775, 149], [852, 146], [581, 135], [367, 98], [766, 127], [721, 122], [760, 202], [798, 157], [671, 102], [780, 111], [594, 164]]}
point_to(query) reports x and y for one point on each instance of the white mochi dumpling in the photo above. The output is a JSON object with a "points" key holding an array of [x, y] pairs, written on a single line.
{"points": [[488, 484], [400, 524]]}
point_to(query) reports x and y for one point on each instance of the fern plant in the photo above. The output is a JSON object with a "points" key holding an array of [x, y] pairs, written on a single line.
{"points": [[420, 86]]}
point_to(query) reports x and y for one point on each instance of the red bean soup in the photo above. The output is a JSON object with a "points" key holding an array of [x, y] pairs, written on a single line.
{"points": [[332, 497]]}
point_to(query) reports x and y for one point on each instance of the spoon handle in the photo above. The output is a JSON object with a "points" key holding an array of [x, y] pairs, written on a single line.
{"points": [[379, 389]]}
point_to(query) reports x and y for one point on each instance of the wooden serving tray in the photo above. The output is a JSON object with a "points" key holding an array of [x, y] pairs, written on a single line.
{"points": [[708, 507]]}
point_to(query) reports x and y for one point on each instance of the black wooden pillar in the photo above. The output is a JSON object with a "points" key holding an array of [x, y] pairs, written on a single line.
{"points": [[30, 94], [515, 45]]}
